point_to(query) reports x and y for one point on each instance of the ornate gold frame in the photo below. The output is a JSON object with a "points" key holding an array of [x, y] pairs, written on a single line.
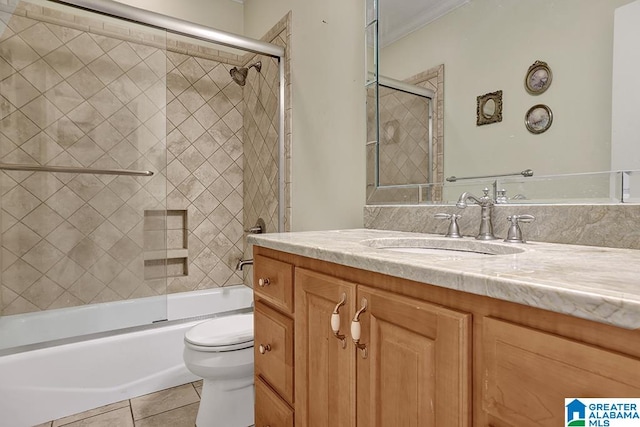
{"points": [[481, 117], [537, 66]]}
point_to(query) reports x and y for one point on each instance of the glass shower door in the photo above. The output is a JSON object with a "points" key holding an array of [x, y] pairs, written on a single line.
{"points": [[81, 252]]}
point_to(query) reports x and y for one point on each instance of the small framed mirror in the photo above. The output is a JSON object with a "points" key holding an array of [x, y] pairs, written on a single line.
{"points": [[489, 108]]}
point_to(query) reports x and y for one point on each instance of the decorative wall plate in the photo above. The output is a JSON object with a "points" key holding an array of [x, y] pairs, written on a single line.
{"points": [[538, 119], [538, 78]]}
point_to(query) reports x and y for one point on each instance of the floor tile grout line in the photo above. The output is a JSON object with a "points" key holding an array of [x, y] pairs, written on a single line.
{"points": [[133, 420], [86, 418], [196, 389], [130, 405], [164, 412]]}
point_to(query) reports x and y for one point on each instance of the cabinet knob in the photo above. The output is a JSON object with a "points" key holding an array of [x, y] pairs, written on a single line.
{"points": [[264, 348], [262, 282]]}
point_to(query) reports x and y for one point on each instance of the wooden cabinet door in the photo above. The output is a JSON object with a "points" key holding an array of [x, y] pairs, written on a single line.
{"points": [[270, 409], [325, 371], [418, 369], [529, 373]]}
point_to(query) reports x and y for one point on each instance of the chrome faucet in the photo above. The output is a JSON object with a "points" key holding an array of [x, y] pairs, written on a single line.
{"points": [[486, 207], [242, 263]]}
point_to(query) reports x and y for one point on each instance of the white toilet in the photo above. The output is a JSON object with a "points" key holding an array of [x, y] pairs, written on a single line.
{"points": [[220, 351]]}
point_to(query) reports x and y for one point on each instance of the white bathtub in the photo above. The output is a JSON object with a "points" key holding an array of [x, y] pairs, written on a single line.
{"points": [[49, 383]]}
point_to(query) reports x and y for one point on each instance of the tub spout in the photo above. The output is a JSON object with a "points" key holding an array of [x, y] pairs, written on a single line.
{"points": [[242, 263]]}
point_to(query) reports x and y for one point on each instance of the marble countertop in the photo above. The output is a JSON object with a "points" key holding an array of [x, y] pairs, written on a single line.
{"points": [[595, 283]]}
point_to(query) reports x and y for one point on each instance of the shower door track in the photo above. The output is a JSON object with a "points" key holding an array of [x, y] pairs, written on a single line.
{"points": [[201, 32]]}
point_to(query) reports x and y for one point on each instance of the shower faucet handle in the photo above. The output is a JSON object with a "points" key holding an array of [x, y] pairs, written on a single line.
{"points": [[454, 229]]}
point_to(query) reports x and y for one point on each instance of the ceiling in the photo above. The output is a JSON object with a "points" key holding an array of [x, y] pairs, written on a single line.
{"points": [[397, 18]]}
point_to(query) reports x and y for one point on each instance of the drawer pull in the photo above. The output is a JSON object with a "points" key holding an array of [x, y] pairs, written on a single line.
{"points": [[263, 282], [335, 321], [355, 329], [264, 348]]}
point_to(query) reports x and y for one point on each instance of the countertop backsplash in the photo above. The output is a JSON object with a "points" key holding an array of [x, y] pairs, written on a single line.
{"points": [[607, 225]]}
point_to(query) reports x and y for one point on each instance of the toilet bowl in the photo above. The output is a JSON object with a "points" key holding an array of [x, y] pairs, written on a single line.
{"points": [[220, 351]]}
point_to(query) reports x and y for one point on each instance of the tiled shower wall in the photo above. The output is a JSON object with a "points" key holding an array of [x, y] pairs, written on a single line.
{"points": [[89, 94], [261, 136], [261, 140], [204, 172], [74, 97], [404, 137]]}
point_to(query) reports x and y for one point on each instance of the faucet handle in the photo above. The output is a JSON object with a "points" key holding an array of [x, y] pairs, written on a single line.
{"points": [[501, 197], [514, 234], [454, 230]]}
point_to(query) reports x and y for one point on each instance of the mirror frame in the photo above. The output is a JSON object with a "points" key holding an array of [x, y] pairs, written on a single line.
{"points": [[481, 117]]}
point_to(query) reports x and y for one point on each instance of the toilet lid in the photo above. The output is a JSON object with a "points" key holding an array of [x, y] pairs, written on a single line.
{"points": [[222, 331]]}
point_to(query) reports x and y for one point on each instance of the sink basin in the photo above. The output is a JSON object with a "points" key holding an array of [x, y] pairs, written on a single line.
{"points": [[443, 246]]}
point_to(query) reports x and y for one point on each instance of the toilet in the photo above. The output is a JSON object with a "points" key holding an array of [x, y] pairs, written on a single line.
{"points": [[220, 351]]}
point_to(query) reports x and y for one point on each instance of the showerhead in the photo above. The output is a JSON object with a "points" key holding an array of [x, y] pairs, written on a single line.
{"points": [[239, 75]]}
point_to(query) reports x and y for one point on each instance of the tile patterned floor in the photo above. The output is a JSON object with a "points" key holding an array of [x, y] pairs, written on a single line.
{"points": [[175, 407]]}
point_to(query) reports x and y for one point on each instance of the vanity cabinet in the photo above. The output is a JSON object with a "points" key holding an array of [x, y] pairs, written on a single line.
{"points": [[273, 342], [410, 368], [426, 355]]}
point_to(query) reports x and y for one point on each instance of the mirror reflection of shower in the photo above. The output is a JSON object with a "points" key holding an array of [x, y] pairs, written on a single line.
{"points": [[239, 75]]}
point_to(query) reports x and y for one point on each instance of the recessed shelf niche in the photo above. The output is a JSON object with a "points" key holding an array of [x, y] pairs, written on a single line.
{"points": [[166, 244]]}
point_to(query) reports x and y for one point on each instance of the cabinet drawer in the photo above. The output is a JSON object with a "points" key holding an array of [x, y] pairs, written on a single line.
{"points": [[273, 281], [270, 409], [529, 373], [273, 347]]}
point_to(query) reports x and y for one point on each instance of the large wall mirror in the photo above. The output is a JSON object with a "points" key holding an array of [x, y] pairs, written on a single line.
{"points": [[422, 127]]}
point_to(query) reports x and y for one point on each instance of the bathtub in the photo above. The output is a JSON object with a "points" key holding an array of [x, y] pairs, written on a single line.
{"points": [[48, 383]]}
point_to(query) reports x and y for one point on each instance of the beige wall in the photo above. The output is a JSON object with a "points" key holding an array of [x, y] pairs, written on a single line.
{"points": [[626, 60], [327, 75], [499, 41]]}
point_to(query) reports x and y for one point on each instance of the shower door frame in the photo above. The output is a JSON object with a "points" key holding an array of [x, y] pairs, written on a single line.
{"points": [[201, 32]]}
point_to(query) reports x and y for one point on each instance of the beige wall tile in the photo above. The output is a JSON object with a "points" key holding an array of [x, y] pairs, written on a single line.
{"points": [[41, 75], [87, 92], [115, 418], [65, 272], [18, 128], [17, 52]]}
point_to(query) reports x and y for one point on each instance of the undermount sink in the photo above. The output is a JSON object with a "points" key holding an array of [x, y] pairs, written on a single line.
{"points": [[443, 246]]}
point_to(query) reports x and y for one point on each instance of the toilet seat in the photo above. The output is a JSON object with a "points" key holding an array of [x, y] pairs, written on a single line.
{"points": [[222, 334]]}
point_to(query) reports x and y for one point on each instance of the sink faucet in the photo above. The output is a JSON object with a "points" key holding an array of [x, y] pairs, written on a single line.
{"points": [[486, 207]]}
